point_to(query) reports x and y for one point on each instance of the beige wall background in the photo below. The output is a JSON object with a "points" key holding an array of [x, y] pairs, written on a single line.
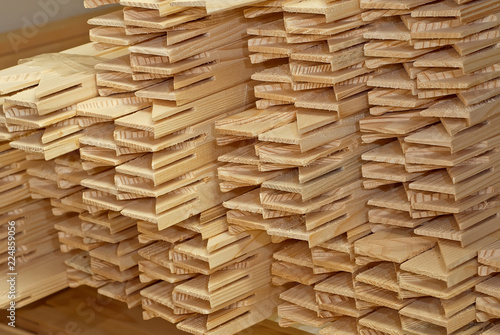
{"points": [[34, 27], [14, 14]]}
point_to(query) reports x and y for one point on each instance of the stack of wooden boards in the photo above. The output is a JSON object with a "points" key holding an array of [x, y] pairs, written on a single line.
{"points": [[403, 93], [107, 156], [30, 93], [409, 265], [435, 116], [51, 107], [186, 69], [305, 157], [29, 239]]}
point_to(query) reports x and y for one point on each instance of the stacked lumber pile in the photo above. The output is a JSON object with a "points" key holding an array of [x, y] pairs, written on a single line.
{"points": [[376, 281], [181, 185], [57, 111], [38, 99], [112, 252], [434, 116], [304, 160], [194, 68], [30, 247]]}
